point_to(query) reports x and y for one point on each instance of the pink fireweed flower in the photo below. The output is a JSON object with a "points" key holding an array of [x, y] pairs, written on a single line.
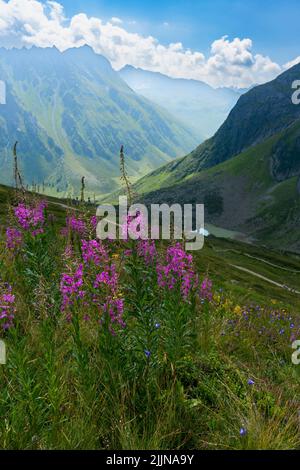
{"points": [[68, 253], [147, 249], [127, 253], [206, 290], [30, 216], [108, 277], [71, 287], [124, 227], [37, 232], [64, 232], [23, 215], [14, 238], [94, 222], [177, 268], [7, 306], [136, 225], [76, 225], [94, 283], [38, 214], [115, 310], [94, 252]]}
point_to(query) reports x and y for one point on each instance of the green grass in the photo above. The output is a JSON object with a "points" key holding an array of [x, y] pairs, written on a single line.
{"points": [[74, 385], [218, 255]]}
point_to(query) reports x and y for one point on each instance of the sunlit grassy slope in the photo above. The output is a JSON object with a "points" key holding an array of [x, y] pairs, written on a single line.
{"points": [[239, 194], [109, 351], [211, 370], [218, 257]]}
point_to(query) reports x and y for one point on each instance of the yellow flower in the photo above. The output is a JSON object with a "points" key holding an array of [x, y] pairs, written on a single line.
{"points": [[118, 295], [116, 256], [237, 310]]}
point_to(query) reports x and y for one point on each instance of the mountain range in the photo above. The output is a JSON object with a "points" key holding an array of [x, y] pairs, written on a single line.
{"points": [[248, 173], [71, 112], [199, 106]]}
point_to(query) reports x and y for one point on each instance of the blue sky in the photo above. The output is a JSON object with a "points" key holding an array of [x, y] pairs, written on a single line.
{"points": [[273, 25], [235, 43]]}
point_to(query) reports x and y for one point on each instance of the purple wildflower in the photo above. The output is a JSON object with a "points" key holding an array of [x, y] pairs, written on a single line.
{"points": [[30, 216], [7, 306], [206, 290], [108, 277], [76, 225], [14, 238], [71, 287], [93, 252], [177, 268], [147, 249]]}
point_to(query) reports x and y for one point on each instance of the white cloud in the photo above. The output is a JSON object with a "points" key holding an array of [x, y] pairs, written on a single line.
{"points": [[290, 64], [230, 62], [116, 20]]}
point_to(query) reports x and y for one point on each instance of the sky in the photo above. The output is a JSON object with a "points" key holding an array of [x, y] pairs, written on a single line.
{"points": [[234, 43]]}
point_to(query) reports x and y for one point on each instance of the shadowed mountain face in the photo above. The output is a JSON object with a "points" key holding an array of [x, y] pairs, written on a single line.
{"points": [[71, 112], [200, 107], [248, 174]]}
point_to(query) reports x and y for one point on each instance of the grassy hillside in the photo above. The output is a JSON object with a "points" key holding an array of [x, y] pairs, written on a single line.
{"points": [[240, 194], [261, 113], [105, 351], [219, 256], [57, 206], [248, 173]]}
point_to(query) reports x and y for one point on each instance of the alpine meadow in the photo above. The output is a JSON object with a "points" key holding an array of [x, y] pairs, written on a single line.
{"points": [[117, 332]]}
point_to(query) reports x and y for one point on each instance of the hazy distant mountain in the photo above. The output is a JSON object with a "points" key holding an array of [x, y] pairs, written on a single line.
{"points": [[248, 174], [71, 112], [198, 105]]}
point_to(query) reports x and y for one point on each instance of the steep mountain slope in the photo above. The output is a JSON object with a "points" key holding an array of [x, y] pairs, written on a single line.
{"points": [[71, 112], [248, 174], [200, 107]]}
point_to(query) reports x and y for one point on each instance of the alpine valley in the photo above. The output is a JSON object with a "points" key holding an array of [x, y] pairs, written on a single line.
{"points": [[199, 106], [248, 173], [70, 113]]}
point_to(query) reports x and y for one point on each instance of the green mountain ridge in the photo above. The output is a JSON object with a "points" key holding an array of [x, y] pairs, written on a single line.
{"points": [[248, 174], [199, 106], [71, 112]]}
